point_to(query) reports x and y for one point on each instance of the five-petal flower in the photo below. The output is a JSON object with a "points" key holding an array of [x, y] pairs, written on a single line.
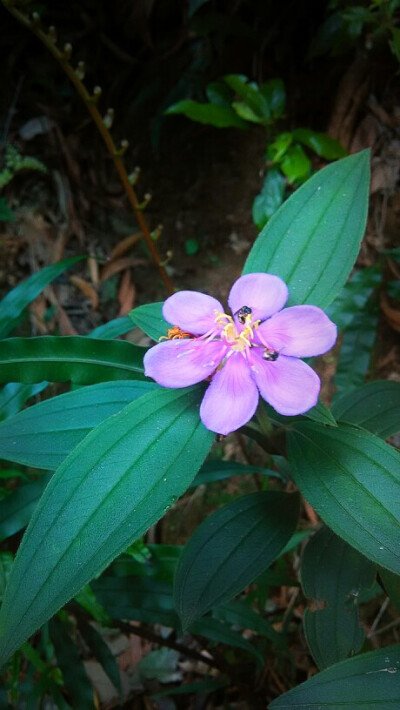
{"points": [[254, 351]]}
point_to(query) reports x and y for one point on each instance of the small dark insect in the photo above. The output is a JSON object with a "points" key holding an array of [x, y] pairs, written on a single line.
{"points": [[242, 314], [219, 438], [270, 355]]}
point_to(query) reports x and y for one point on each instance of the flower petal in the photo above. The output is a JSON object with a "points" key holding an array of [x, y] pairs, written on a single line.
{"points": [[180, 363], [192, 311], [288, 384], [232, 397], [300, 331], [265, 294]]}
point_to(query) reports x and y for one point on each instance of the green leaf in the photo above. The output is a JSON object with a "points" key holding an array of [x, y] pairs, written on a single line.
{"points": [[230, 549], [352, 479], [210, 114], [43, 435], [150, 600], [113, 486], [161, 664], [222, 633], [145, 599], [149, 318], [295, 164], [275, 94], [356, 351], [15, 302], [102, 653], [374, 406], [69, 358], [333, 574], [6, 215], [270, 197], [219, 93], [74, 675], [354, 296], [213, 471], [238, 613], [320, 143], [250, 93], [245, 112], [313, 239], [277, 149], [14, 395], [6, 563], [17, 508], [112, 329], [367, 682], [391, 584]]}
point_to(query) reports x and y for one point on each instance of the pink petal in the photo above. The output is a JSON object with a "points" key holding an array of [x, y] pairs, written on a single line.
{"points": [[192, 311], [231, 398], [265, 294], [288, 384], [180, 363], [301, 331]]}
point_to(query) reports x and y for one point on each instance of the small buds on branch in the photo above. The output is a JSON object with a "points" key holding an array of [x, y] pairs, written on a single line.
{"points": [[168, 258], [108, 119], [35, 19], [156, 233], [123, 148], [67, 51], [134, 177], [103, 124], [97, 92], [80, 71], [142, 205], [52, 34]]}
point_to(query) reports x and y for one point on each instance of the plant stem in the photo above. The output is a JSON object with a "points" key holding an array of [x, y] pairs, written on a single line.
{"points": [[62, 58]]}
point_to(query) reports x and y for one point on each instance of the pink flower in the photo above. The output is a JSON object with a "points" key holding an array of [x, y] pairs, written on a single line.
{"points": [[254, 351]]}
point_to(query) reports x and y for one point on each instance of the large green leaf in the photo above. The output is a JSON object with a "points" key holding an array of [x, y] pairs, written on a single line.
{"points": [[230, 549], [352, 479], [113, 329], [333, 574], [312, 241], [374, 406], [14, 395], [69, 358], [17, 508], [356, 351], [15, 302], [149, 318], [44, 434], [366, 682], [113, 486]]}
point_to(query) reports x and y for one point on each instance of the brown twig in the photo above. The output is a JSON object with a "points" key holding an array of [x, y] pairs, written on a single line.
{"points": [[49, 39], [145, 633]]}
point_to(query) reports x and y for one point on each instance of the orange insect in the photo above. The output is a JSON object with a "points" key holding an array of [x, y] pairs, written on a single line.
{"points": [[175, 333]]}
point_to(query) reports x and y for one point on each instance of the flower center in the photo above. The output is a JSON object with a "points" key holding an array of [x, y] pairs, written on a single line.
{"points": [[238, 341]]}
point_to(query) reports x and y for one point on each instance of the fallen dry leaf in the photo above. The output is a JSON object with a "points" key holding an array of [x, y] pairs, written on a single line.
{"points": [[114, 267], [87, 289], [126, 294], [124, 245]]}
